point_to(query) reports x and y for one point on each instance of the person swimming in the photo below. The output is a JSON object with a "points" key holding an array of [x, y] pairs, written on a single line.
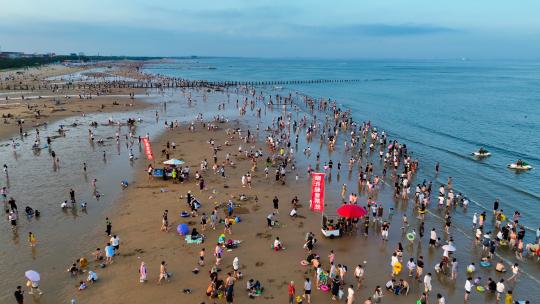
{"points": [[29, 211]]}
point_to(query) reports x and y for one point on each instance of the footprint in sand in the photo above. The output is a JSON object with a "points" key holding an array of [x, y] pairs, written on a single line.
{"points": [[259, 264]]}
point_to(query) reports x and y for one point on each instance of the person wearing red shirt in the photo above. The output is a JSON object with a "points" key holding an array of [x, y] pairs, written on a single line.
{"points": [[292, 291]]}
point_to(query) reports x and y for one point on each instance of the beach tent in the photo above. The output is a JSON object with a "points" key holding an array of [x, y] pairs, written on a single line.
{"points": [[174, 162]]}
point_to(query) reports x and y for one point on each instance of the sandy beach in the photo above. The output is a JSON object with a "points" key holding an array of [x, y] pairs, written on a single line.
{"points": [[136, 213]]}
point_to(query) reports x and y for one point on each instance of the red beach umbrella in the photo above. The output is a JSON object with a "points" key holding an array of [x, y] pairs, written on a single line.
{"points": [[351, 211]]}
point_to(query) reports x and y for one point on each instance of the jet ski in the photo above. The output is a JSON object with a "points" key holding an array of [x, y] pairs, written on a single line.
{"points": [[481, 153], [520, 165]]}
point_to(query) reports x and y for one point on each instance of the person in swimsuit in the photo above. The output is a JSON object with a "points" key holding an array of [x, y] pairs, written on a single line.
{"points": [[163, 275]]}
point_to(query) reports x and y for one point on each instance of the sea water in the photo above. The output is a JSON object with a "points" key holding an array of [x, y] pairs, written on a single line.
{"points": [[443, 110]]}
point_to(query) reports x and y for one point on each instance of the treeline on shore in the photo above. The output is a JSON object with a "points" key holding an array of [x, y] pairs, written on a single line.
{"points": [[16, 63]]}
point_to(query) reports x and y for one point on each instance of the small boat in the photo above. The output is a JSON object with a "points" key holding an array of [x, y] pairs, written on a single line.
{"points": [[520, 165]]}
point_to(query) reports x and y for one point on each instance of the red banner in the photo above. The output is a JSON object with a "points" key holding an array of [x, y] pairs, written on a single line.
{"points": [[317, 192], [147, 148]]}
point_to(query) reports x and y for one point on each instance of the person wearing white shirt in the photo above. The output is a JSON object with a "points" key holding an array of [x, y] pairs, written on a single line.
{"points": [[333, 270], [394, 260], [440, 299], [468, 288], [277, 244], [411, 266], [115, 242], [293, 213], [432, 238], [500, 289], [515, 271], [427, 283], [236, 266]]}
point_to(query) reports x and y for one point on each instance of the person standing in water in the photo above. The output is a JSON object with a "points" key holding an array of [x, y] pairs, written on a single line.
{"points": [[72, 195], [32, 239], [495, 206], [108, 226], [19, 295]]}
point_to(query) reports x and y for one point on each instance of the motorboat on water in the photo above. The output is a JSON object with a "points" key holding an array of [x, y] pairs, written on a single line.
{"points": [[481, 153], [520, 165]]}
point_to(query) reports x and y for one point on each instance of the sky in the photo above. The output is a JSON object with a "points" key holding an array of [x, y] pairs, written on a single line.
{"points": [[419, 29]]}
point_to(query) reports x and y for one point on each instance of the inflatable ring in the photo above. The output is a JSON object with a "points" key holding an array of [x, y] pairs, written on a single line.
{"points": [[480, 288], [304, 263], [325, 288], [184, 214], [485, 264], [410, 236]]}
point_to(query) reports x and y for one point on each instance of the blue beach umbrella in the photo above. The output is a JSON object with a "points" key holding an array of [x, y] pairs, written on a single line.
{"points": [[183, 229]]}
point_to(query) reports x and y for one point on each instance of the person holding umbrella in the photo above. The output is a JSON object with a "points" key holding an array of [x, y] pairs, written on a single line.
{"points": [[33, 281]]}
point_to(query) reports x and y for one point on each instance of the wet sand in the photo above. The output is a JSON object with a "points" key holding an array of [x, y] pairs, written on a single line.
{"points": [[55, 104], [51, 111]]}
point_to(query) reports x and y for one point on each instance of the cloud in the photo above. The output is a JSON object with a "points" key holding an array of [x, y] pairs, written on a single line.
{"points": [[385, 30], [224, 14]]}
